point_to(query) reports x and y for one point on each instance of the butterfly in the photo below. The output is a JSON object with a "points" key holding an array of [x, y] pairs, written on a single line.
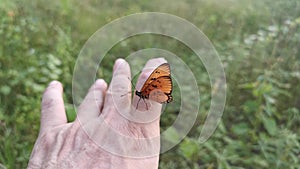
{"points": [[158, 86]]}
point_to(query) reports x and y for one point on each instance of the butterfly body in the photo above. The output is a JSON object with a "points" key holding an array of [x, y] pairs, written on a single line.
{"points": [[158, 86]]}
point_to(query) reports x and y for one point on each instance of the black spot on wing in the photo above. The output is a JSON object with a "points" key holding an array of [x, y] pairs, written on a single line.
{"points": [[155, 86]]}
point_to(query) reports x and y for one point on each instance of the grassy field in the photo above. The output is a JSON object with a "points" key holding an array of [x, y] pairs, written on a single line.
{"points": [[258, 43]]}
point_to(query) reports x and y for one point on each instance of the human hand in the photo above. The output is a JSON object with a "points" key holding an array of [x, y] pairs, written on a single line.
{"points": [[108, 132]]}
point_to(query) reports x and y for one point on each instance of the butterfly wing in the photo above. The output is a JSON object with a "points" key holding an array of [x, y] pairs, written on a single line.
{"points": [[160, 71], [160, 90]]}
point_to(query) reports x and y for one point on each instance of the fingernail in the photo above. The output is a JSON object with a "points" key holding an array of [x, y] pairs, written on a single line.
{"points": [[53, 83], [118, 62]]}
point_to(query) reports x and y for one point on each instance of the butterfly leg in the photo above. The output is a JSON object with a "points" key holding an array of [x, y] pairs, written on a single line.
{"points": [[146, 104], [137, 105]]}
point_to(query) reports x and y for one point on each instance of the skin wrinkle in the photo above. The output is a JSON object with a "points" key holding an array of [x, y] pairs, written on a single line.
{"points": [[96, 154], [133, 130], [83, 148], [93, 152], [79, 136], [66, 144], [56, 148], [128, 131], [50, 143], [47, 104], [67, 160], [47, 141], [144, 133], [138, 130], [64, 133]]}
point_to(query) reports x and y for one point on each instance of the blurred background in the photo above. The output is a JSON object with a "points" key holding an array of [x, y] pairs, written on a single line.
{"points": [[258, 43]]}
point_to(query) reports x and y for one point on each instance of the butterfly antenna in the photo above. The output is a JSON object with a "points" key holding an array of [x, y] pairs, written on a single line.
{"points": [[129, 91], [132, 83], [134, 77], [125, 94]]}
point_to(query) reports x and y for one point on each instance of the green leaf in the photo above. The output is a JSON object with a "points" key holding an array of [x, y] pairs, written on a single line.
{"points": [[5, 90], [171, 135], [189, 148], [251, 106], [270, 125], [71, 113], [240, 128]]}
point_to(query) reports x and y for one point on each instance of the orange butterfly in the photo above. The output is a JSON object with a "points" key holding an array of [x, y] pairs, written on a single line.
{"points": [[158, 86]]}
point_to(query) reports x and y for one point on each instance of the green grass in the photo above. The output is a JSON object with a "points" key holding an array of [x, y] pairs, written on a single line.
{"points": [[258, 42]]}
